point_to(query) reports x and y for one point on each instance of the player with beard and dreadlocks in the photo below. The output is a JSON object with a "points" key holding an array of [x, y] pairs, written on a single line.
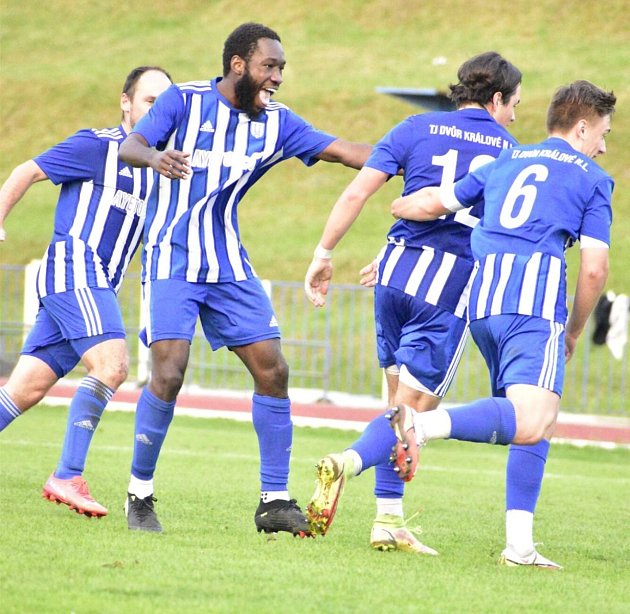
{"points": [[210, 141]]}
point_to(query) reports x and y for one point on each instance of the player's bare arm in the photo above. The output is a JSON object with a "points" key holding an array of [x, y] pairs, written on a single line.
{"points": [[591, 281], [171, 163], [347, 153], [421, 206], [19, 181], [341, 218]]}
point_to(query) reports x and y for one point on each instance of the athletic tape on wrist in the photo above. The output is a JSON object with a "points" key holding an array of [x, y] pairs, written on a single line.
{"points": [[323, 253]]}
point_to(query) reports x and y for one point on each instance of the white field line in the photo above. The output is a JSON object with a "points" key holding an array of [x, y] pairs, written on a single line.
{"points": [[254, 458], [343, 425]]}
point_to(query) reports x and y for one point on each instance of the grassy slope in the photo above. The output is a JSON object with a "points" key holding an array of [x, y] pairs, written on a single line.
{"points": [[210, 558], [63, 63]]}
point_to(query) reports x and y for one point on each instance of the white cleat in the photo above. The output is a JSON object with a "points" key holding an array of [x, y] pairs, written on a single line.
{"points": [[510, 558], [390, 533]]}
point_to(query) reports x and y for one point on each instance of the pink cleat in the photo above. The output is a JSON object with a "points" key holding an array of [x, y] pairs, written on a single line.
{"points": [[75, 494]]}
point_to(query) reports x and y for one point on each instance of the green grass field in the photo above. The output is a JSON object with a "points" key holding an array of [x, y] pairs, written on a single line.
{"points": [[210, 558], [63, 64]]}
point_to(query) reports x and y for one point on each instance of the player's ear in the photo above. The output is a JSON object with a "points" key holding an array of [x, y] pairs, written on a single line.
{"points": [[237, 65], [497, 99], [125, 103], [580, 128]]}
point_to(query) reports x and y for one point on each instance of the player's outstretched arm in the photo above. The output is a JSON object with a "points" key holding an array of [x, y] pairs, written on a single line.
{"points": [[347, 153], [19, 181], [171, 163], [591, 281], [421, 206]]}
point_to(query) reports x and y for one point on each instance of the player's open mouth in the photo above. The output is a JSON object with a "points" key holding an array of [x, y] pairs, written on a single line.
{"points": [[266, 94]]}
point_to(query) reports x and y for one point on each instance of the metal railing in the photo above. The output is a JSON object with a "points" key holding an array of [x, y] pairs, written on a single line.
{"points": [[330, 349]]}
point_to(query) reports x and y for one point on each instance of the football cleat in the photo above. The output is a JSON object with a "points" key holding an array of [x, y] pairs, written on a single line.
{"points": [[74, 493], [329, 486], [141, 514], [510, 558], [389, 532], [405, 453], [282, 515]]}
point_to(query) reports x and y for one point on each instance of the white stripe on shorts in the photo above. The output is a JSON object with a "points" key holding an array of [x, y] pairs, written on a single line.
{"points": [[550, 365]]}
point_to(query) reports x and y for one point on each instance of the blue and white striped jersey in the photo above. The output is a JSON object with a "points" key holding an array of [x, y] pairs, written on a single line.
{"points": [[539, 199], [432, 260], [99, 215], [192, 226]]}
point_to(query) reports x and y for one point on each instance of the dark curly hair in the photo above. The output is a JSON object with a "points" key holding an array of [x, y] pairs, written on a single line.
{"points": [[482, 76], [580, 99], [243, 41]]}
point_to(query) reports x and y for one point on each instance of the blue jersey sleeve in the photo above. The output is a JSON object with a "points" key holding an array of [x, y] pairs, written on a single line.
{"points": [[163, 117], [391, 152], [469, 190], [598, 215], [73, 159], [302, 140]]}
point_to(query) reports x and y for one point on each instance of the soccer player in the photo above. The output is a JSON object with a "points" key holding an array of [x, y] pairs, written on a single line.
{"points": [[219, 137], [423, 275], [98, 226], [539, 200]]}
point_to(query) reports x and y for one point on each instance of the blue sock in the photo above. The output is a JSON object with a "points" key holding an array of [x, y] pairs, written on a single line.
{"points": [[153, 417], [524, 475], [376, 443], [387, 483], [86, 408], [491, 420], [272, 421], [8, 409]]}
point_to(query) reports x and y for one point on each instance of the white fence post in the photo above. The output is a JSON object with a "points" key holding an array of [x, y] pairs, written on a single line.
{"points": [[144, 354], [31, 301]]}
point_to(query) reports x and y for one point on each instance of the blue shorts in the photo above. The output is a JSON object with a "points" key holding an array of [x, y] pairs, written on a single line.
{"points": [[521, 350], [70, 323], [424, 341], [232, 314]]}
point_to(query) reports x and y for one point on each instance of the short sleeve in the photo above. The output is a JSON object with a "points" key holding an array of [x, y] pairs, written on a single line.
{"points": [[73, 159], [163, 117], [301, 140], [470, 188], [598, 215], [391, 152]]}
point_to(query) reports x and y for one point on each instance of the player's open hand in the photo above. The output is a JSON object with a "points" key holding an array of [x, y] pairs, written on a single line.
{"points": [[368, 275], [317, 280], [172, 164]]}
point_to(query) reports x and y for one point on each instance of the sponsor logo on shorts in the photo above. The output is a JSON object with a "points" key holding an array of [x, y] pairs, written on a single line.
{"points": [[273, 322]]}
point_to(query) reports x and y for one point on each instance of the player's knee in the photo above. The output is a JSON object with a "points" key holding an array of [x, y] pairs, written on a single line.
{"points": [[280, 375], [533, 431], [167, 382], [114, 374], [274, 380]]}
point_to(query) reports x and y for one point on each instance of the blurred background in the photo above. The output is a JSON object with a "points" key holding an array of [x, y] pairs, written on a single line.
{"points": [[62, 67]]}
